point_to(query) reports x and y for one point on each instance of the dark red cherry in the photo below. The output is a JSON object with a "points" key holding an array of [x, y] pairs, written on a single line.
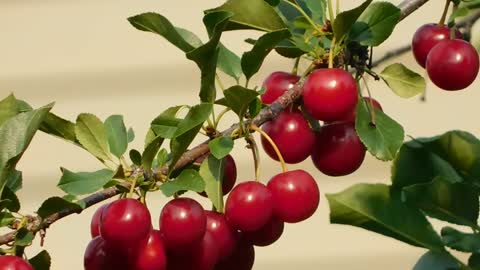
{"points": [[8, 262], [151, 255], [223, 234], [329, 94], [338, 150], [100, 256], [292, 134], [249, 206], [295, 195], [182, 224], [242, 258], [427, 37], [351, 116], [453, 64], [229, 173], [95, 223], [125, 222], [266, 235], [276, 84], [202, 256]]}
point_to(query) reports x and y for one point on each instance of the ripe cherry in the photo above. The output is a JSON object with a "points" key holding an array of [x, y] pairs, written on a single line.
{"points": [[427, 37], [329, 94], [350, 117], [276, 84], [288, 129], [125, 222], [151, 255], [182, 224], [295, 195], [201, 256], [338, 150], [249, 206], [242, 258], [229, 173], [100, 256], [224, 235], [266, 235], [95, 223], [8, 262], [453, 64]]}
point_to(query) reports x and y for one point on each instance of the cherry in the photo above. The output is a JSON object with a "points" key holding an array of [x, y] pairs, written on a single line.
{"points": [[242, 258], [295, 195], [266, 235], [151, 255], [453, 64], [338, 150], [8, 262], [427, 37], [182, 223], [276, 84], [288, 129], [95, 223], [125, 222], [329, 94], [100, 256], [222, 233], [229, 173], [202, 256], [350, 117], [249, 206]]}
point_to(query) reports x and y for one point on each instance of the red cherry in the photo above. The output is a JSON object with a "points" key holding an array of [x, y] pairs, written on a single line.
{"points": [[453, 64], [289, 128], [99, 256], [276, 84], [151, 255], [350, 117], [8, 262], [125, 222], [427, 37], [95, 223], [242, 258], [266, 235], [202, 256], [224, 235], [229, 174], [338, 150], [295, 195], [329, 94], [182, 224], [249, 206]]}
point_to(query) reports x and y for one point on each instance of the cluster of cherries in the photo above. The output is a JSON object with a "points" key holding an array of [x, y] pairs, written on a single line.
{"points": [[191, 238], [451, 62]]}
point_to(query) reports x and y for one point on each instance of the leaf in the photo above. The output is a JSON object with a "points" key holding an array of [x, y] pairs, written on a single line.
{"points": [[91, 133], [56, 204], [162, 158], [239, 98], [436, 261], [229, 62], [288, 49], [9, 200], [165, 125], [253, 60], [189, 37], [221, 146], [474, 261], [382, 139], [197, 115], [251, 14], [8, 108], [375, 24], [135, 157], [6, 219], [211, 171], [117, 135], [403, 82], [466, 242], [59, 127], [345, 20], [23, 237], [188, 180], [130, 135], [255, 107], [374, 207], [150, 153], [180, 144], [318, 9], [41, 261], [80, 183], [14, 180]]}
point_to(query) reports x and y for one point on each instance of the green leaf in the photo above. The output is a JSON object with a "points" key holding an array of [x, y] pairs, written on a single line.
{"points": [[251, 14], [150, 153], [403, 82], [92, 134], [253, 60], [455, 203], [23, 237], [239, 98], [9, 200], [135, 157], [272, 2], [318, 9], [14, 180], [187, 180], [229, 62], [197, 115], [436, 261], [130, 135], [41, 261], [345, 20], [117, 135], [221, 146], [189, 37], [59, 127], [474, 261], [288, 49], [211, 171], [374, 207], [375, 24], [180, 144], [80, 183], [382, 139], [56, 204], [156, 23], [466, 242], [8, 108], [165, 125], [6, 219], [255, 107], [162, 157]]}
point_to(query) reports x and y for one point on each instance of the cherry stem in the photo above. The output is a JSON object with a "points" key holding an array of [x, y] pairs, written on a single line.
{"points": [[295, 66], [274, 146], [330, 56], [132, 187], [219, 82], [444, 15], [220, 116], [371, 106], [256, 155], [330, 10], [337, 7]]}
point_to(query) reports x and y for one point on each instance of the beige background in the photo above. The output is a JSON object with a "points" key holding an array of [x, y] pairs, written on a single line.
{"points": [[85, 56]]}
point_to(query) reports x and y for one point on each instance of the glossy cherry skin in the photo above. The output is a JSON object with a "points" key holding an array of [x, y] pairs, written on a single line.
{"points": [[338, 150], [350, 117], [453, 64], [295, 195], [202, 256], [276, 84], [125, 223], [95, 223], [329, 94], [242, 258], [249, 206], [266, 235], [152, 254], [182, 224], [229, 173], [224, 235], [289, 129], [13, 263], [100, 256], [427, 37]]}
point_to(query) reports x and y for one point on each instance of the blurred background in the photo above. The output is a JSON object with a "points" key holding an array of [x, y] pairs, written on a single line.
{"points": [[86, 57]]}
